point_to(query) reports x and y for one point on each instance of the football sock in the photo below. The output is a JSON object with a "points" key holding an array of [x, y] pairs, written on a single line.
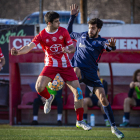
{"points": [[126, 114], [59, 117], [79, 114], [109, 114], [105, 117], [45, 93], [35, 118]]}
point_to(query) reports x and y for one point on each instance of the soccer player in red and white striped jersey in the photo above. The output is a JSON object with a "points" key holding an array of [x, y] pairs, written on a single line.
{"points": [[2, 60], [56, 43], [52, 44]]}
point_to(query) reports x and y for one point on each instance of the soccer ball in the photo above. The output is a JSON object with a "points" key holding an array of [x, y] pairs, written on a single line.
{"points": [[57, 83]]}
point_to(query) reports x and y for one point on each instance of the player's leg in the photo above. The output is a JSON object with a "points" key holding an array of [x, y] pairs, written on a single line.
{"points": [[36, 104], [41, 84], [71, 79], [78, 104], [78, 72], [128, 102], [100, 93], [46, 76], [107, 123], [59, 104], [87, 103]]}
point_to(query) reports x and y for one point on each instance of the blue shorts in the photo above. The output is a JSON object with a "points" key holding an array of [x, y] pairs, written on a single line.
{"points": [[94, 100], [92, 96], [90, 77]]}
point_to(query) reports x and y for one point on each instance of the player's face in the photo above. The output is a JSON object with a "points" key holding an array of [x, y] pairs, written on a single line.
{"points": [[56, 23], [93, 31], [138, 77]]}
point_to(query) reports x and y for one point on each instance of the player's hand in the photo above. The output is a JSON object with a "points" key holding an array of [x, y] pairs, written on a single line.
{"points": [[0, 66], [65, 50], [137, 84], [132, 84], [74, 9], [111, 42], [14, 51]]}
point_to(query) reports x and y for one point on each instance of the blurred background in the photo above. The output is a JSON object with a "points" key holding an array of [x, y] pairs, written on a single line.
{"points": [[25, 18], [125, 10]]}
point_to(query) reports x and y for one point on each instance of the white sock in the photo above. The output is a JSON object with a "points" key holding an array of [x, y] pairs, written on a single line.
{"points": [[126, 120], [50, 97], [35, 118], [59, 117]]}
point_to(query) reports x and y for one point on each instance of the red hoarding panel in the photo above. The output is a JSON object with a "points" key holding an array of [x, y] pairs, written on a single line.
{"points": [[128, 51]]}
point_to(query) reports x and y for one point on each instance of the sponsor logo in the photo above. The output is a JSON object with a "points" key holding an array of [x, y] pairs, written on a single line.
{"points": [[61, 37], [69, 41], [83, 36], [126, 43], [94, 42], [82, 45], [18, 42], [47, 40], [55, 47], [54, 39]]}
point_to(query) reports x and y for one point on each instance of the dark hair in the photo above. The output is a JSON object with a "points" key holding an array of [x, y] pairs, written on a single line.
{"points": [[50, 16], [96, 21], [98, 69], [135, 75]]}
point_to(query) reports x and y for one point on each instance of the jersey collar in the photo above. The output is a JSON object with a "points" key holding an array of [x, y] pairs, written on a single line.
{"points": [[51, 32]]}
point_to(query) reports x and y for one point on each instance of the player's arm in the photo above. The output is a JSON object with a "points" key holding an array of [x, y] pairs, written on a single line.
{"points": [[132, 89], [69, 49], [74, 13], [23, 50], [110, 45], [2, 63]]}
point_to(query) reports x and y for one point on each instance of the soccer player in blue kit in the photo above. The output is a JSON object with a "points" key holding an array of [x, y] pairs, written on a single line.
{"points": [[89, 48]]}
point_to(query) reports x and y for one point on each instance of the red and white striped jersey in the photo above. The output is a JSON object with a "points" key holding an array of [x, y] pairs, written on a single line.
{"points": [[52, 44], [1, 54]]}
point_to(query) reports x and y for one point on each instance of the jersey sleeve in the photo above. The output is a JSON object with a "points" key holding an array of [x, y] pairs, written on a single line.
{"points": [[1, 54], [67, 39], [73, 35], [37, 39]]}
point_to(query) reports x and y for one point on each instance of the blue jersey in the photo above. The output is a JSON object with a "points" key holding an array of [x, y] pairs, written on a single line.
{"points": [[88, 50], [87, 54]]}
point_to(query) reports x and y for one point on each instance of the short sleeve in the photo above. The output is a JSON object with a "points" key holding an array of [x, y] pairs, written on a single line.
{"points": [[68, 40], [37, 39], [1, 54]]}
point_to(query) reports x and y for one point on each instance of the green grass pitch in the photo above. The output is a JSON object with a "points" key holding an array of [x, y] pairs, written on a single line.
{"points": [[8, 132]]}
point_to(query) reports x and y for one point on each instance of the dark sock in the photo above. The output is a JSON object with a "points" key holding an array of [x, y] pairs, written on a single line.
{"points": [[109, 113], [85, 116], [127, 114], [105, 117]]}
